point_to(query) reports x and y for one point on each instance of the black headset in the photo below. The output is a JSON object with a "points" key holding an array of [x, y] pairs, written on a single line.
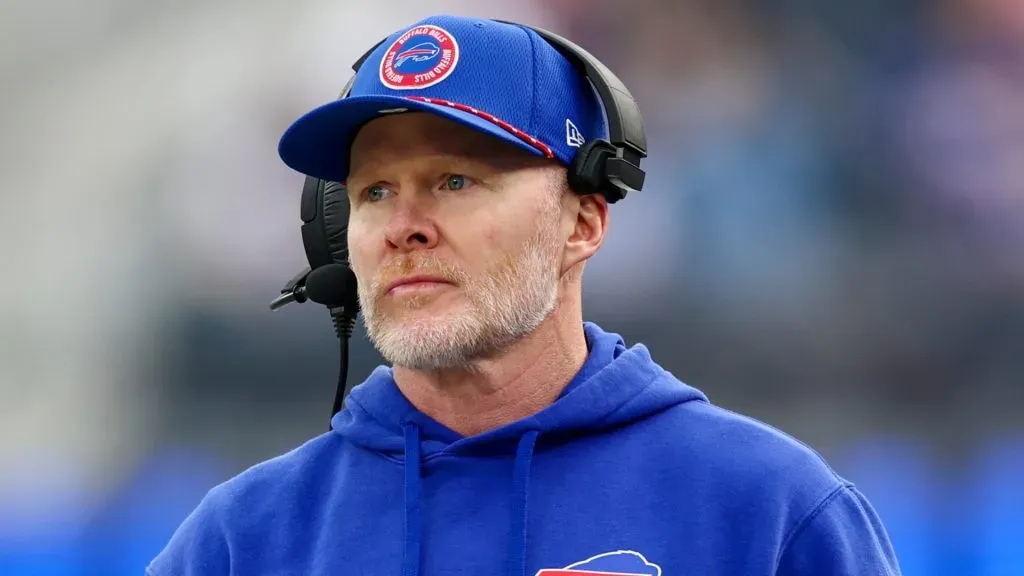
{"points": [[610, 167]]}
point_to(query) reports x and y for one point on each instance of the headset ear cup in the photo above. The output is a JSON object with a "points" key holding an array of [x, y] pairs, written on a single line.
{"points": [[586, 173], [336, 212]]}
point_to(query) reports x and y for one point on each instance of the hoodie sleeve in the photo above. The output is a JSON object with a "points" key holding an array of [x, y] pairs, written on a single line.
{"points": [[199, 546], [843, 536]]}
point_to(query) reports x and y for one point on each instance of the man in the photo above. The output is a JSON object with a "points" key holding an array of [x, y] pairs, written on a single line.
{"points": [[508, 437]]}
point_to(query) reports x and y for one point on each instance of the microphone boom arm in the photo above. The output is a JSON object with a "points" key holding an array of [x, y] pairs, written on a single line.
{"points": [[293, 291]]}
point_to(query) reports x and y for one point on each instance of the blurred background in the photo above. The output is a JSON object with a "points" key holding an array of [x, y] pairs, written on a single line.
{"points": [[831, 240]]}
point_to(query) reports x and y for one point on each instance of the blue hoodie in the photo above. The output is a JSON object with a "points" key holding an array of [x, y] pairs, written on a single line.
{"points": [[630, 471]]}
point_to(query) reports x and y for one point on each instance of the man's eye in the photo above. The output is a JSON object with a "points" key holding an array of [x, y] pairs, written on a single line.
{"points": [[454, 182], [376, 192]]}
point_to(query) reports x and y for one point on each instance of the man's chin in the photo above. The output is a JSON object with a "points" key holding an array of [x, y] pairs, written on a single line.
{"points": [[419, 323], [426, 319], [425, 343]]}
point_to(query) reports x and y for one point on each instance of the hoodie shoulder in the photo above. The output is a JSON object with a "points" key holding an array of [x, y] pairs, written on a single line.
{"points": [[820, 523], [828, 525], [753, 440], [238, 510], [754, 452], [746, 466]]}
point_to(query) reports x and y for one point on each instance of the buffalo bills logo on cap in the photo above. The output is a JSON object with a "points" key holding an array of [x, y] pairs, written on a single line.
{"points": [[422, 57]]}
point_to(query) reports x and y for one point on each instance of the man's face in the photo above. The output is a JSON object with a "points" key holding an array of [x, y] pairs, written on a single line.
{"points": [[477, 221]]}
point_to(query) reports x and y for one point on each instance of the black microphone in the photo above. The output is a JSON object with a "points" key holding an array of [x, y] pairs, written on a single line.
{"points": [[334, 286]]}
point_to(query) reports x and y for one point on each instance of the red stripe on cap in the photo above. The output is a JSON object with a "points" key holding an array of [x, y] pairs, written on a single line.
{"points": [[492, 119]]}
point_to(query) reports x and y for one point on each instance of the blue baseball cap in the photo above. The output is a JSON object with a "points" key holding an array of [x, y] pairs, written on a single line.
{"points": [[501, 79]]}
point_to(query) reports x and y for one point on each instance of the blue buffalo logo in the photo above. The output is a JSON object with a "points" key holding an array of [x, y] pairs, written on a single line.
{"points": [[619, 563], [421, 52]]}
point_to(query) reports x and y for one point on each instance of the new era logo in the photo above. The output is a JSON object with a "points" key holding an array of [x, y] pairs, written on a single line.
{"points": [[572, 135]]}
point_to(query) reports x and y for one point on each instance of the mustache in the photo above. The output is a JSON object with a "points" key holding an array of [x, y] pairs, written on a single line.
{"points": [[408, 265]]}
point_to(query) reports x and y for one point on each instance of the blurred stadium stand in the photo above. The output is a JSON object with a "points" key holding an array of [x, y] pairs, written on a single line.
{"points": [[831, 240]]}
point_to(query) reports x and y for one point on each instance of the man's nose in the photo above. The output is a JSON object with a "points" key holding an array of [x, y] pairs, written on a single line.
{"points": [[411, 226]]}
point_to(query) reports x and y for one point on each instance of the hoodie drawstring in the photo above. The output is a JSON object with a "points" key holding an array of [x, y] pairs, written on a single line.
{"points": [[411, 562], [520, 490]]}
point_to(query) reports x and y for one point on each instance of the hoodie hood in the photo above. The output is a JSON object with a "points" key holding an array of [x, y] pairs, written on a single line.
{"points": [[616, 386]]}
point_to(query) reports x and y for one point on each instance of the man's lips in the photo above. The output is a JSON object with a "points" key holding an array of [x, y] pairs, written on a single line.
{"points": [[416, 282]]}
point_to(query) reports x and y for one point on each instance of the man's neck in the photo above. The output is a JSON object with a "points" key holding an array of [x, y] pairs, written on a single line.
{"points": [[494, 392]]}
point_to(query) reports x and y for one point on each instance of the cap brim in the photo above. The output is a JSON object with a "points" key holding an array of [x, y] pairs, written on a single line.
{"points": [[318, 143]]}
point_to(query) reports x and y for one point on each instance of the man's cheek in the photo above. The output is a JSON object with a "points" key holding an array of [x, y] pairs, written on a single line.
{"points": [[360, 263]]}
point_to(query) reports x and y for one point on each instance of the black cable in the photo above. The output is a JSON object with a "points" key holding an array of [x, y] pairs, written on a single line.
{"points": [[343, 324]]}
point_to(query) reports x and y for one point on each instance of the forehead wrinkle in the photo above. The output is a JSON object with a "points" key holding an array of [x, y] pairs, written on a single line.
{"points": [[430, 136]]}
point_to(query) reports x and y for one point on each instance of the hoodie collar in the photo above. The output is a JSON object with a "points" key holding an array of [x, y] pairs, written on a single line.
{"points": [[616, 384]]}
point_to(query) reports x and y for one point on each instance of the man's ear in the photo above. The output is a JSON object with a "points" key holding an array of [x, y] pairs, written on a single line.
{"points": [[589, 228]]}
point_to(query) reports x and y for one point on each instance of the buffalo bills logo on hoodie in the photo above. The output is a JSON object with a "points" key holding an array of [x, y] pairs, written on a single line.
{"points": [[619, 563]]}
